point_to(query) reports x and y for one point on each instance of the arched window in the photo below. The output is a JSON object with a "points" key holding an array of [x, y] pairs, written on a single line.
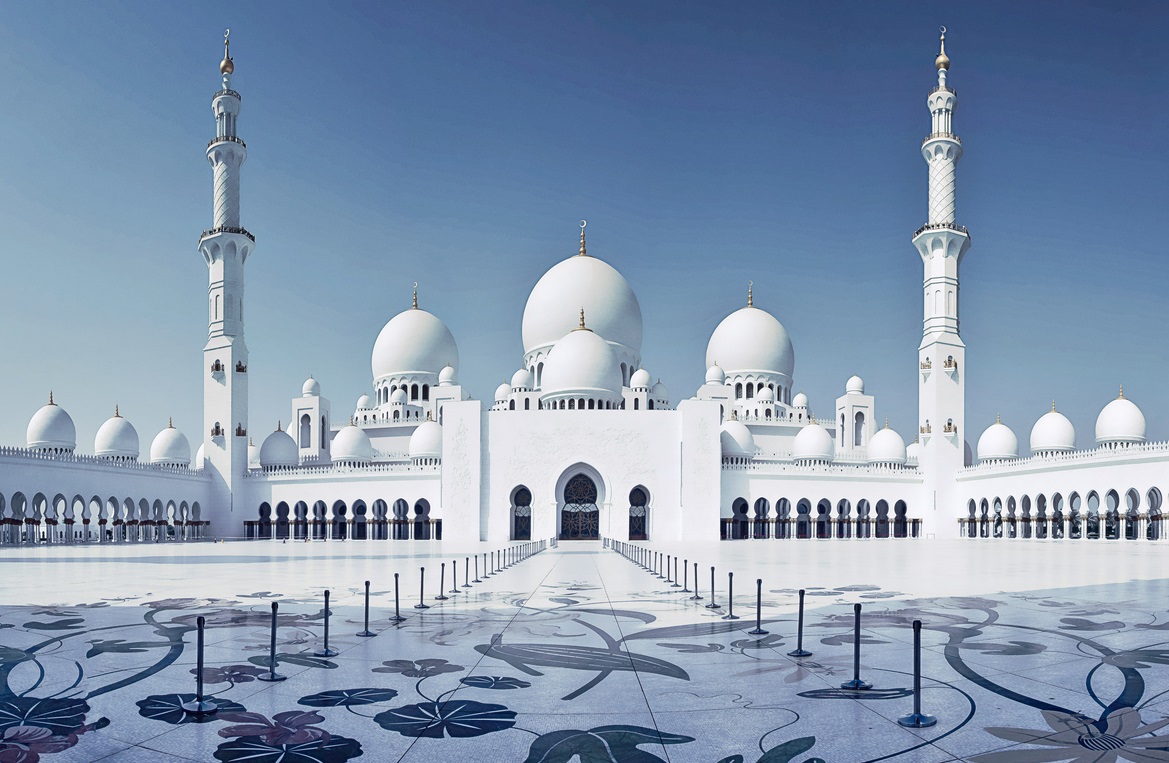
{"points": [[580, 517], [636, 404], [750, 390], [511, 405], [571, 404], [638, 514], [306, 431], [858, 430], [649, 405], [527, 404], [592, 404], [324, 433], [521, 514], [738, 390], [413, 391]]}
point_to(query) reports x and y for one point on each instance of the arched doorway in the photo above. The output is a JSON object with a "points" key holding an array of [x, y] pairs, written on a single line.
{"points": [[638, 519], [521, 514], [580, 516]]}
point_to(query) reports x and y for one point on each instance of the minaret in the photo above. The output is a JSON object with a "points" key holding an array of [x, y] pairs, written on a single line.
{"points": [[225, 247], [942, 354]]}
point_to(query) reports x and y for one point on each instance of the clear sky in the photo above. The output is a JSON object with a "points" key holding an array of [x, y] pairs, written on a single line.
{"points": [[458, 144]]}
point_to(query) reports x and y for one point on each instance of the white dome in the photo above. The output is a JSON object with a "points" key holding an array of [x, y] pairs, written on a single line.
{"points": [[426, 442], [998, 442], [201, 456], [446, 377], [736, 440], [855, 386], [766, 396], [1053, 433], [413, 342], [813, 443], [582, 282], [751, 340], [253, 455], [51, 428], [279, 450], [502, 391], [887, 447], [640, 379], [715, 375], [582, 363], [398, 396], [914, 450], [170, 448], [660, 391], [352, 445], [311, 388], [800, 400], [522, 379], [1120, 422], [365, 403], [116, 438]]}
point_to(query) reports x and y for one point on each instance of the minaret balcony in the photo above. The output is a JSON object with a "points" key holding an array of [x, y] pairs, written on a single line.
{"points": [[233, 139], [232, 229], [227, 91], [941, 226], [937, 89], [932, 136]]}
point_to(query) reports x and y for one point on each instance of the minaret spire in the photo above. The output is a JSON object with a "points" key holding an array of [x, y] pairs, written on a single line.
{"points": [[750, 298], [583, 223], [415, 304]]}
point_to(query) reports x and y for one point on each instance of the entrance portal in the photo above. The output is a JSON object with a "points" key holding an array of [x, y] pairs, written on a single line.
{"points": [[580, 517]]}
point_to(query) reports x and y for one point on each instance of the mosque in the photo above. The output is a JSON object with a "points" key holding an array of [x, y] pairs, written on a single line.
{"points": [[583, 442]]}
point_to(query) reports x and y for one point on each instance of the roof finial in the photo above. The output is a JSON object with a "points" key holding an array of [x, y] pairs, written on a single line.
{"points": [[886, 423], [583, 223], [226, 66], [1121, 397], [170, 422], [278, 429], [750, 299], [943, 61], [51, 398], [998, 419], [1053, 406], [582, 323], [415, 295], [429, 417], [117, 414], [250, 443]]}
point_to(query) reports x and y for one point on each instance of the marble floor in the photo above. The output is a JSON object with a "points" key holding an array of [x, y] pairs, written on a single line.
{"points": [[1031, 651]]}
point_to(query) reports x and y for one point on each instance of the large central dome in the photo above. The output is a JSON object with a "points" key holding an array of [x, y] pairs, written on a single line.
{"points": [[413, 342], [582, 282], [751, 340]]}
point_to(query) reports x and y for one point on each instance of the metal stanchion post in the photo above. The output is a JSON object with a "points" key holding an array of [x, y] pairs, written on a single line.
{"points": [[856, 683], [758, 631], [466, 571], [454, 576], [366, 632], [397, 618], [917, 719], [676, 583], [713, 604], [799, 651], [730, 615], [685, 576], [441, 583], [326, 652], [272, 675], [696, 596], [199, 705], [421, 591], [477, 580]]}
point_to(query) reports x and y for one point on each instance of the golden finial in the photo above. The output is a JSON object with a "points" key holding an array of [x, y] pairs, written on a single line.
{"points": [[226, 66], [170, 422], [886, 423], [750, 299], [582, 323], [1053, 406], [998, 419], [1120, 397], [51, 398], [278, 429], [583, 223], [943, 61], [429, 417], [250, 443], [117, 414], [415, 295]]}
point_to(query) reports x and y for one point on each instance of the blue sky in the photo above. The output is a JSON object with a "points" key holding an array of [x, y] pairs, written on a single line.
{"points": [[458, 144]]}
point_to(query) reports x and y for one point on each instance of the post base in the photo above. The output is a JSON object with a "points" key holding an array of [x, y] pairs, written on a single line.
{"points": [[440, 597], [271, 677], [366, 634], [326, 652], [799, 653], [695, 597], [396, 619], [856, 685], [204, 707], [917, 720], [757, 632], [421, 606], [713, 605], [468, 585]]}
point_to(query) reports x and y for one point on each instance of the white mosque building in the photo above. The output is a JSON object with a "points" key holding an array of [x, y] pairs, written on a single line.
{"points": [[583, 442]]}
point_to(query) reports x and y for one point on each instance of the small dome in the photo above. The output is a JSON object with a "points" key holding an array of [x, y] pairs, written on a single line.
{"points": [[640, 379], [253, 455], [914, 450], [813, 443], [201, 457], [426, 442], [1053, 433], [887, 447], [413, 342], [446, 377], [352, 445], [51, 428], [576, 283], [279, 451], [855, 386], [170, 448], [800, 400], [751, 340], [116, 438], [311, 388], [736, 440], [398, 396], [502, 391], [1120, 422], [766, 396], [998, 443], [365, 403], [660, 392], [583, 363], [715, 375], [522, 379]]}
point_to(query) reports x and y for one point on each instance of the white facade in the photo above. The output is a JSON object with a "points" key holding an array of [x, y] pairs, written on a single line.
{"points": [[582, 441]]}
